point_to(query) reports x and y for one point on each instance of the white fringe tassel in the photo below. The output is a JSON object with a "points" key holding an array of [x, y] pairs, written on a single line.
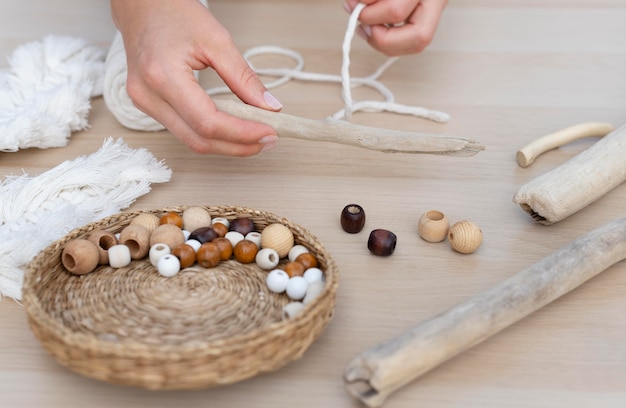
{"points": [[36, 211], [46, 94]]}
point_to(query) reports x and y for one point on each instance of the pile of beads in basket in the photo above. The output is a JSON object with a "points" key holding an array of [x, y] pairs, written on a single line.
{"points": [[174, 241]]}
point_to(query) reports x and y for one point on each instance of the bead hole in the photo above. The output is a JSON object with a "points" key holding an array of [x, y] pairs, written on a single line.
{"points": [[69, 261], [434, 215], [353, 209], [105, 242], [133, 246]]}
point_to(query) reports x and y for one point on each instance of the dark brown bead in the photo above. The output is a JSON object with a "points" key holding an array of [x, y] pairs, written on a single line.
{"points": [[243, 225], [225, 247], [208, 255], [245, 251], [382, 242], [352, 218], [307, 259], [203, 234], [186, 254]]}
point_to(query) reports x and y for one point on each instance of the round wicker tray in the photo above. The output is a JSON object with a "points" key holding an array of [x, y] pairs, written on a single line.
{"points": [[198, 329]]}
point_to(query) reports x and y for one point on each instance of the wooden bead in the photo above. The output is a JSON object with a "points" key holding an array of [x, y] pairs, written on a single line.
{"points": [[277, 280], [382, 242], [119, 256], [255, 237], [225, 247], [103, 240], [352, 218], [242, 225], [245, 251], [157, 251], [171, 218], [234, 237], [137, 239], [313, 275], [267, 259], [80, 256], [433, 226], [204, 234], [220, 220], [465, 237], [278, 237], [147, 220], [186, 254], [313, 290], [220, 229], [208, 255], [295, 251], [308, 260], [294, 269], [168, 265], [196, 217], [296, 287], [291, 310], [168, 234]]}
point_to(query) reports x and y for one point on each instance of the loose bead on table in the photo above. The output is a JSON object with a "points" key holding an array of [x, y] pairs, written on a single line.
{"points": [[119, 256]]}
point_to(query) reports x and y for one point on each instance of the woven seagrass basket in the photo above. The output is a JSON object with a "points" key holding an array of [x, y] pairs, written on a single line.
{"points": [[199, 329]]}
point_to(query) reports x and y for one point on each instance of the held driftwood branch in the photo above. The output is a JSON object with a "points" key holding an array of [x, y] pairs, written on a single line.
{"points": [[337, 131], [375, 374], [575, 184], [527, 154]]}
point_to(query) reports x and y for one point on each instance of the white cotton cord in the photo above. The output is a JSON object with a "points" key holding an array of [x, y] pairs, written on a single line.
{"points": [[121, 106], [36, 211], [45, 95]]}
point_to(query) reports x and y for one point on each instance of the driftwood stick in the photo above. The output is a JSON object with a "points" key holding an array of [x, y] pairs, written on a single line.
{"points": [[337, 131], [527, 154], [375, 374], [578, 182]]}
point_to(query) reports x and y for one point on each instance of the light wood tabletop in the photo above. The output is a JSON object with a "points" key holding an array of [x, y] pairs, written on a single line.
{"points": [[507, 72]]}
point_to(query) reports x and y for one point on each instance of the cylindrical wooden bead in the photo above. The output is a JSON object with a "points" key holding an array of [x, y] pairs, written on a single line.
{"points": [[196, 217], [277, 280], [267, 258], [433, 226], [465, 237], [147, 220], [291, 310], [103, 240], [255, 237], [119, 256], [137, 239], [168, 266], [168, 234], [157, 251], [172, 218], [296, 287], [295, 251], [279, 237], [186, 254], [313, 290], [80, 256]]}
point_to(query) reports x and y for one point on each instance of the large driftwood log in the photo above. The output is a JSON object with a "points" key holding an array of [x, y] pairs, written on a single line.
{"points": [[575, 184], [375, 374], [337, 131]]}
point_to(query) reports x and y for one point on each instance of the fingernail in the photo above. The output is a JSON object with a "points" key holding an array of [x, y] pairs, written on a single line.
{"points": [[347, 8], [268, 142], [272, 101], [367, 30]]}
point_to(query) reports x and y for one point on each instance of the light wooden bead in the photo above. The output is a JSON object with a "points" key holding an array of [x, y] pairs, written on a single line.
{"points": [[146, 220], [278, 237], [137, 239], [80, 256], [119, 256], [433, 226], [295, 251], [291, 310], [157, 251], [313, 290], [168, 234], [103, 240], [267, 258], [254, 237], [465, 237], [196, 217]]}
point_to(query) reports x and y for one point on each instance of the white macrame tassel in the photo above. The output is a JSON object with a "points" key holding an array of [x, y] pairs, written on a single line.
{"points": [[46, 94], [36, 211]]}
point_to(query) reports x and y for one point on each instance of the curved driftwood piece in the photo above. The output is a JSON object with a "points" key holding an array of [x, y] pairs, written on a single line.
{"points": [[375, 374], [527, 154], [337, 131], [580, 181]]}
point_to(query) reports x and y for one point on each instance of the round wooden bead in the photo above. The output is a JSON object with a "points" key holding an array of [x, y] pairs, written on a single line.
{"points": [[295, 251], [313, 290], [245, 251], [279, 237], [203, 234], [171, 218], [194, 243], [267, 258], [137, 239], [80, 256], [291, 310], [277, 280], [196, 217], [294, 269], [147, 220], [186, 254], [225, 247], [433, 226], [352, 218], [157, 251], [220, 229], [208, 255], [168, 265], [308, 260], [296, 287], [220, 220], [313, 275], [168, 234], [103, 240], [119, 256], [234, 237], [242, 225], [465, 237], [255, 237]]}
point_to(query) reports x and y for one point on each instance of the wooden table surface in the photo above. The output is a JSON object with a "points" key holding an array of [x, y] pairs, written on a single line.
{"points": [[507, 72]]}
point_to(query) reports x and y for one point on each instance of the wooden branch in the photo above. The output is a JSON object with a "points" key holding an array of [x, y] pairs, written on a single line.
{"points": [[366, 137], [527, 154], [375, 374], [578, 182]]}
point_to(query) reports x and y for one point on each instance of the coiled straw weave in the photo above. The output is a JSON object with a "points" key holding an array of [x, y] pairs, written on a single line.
{"points": [[198, 329]]}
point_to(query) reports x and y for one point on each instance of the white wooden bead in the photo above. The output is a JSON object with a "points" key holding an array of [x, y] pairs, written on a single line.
{"points": [[254, 237], [119, 256], [234, 237], [267, 258], [313, 291], [194, 243], [296, 287], [186, 234], [297, 250], [291, 310], [221, 220], [277, 280], [313, 275], [157, 251], [168, 265]]}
